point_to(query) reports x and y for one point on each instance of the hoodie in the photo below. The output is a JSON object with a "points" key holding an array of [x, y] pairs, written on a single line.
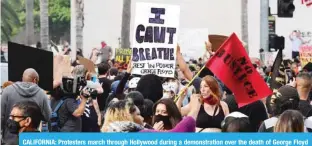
{"points": [[22, 91], [124, 126], [187, 124]]}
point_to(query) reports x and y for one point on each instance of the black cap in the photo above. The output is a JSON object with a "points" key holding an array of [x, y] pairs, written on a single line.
{"points": [[308, 67], [284, 99]]}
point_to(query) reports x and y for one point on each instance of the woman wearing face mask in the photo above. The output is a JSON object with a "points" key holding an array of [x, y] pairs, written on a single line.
{"points": [[171, 88], [168, 90], [166, 115], [212, 111], [25, 117]]}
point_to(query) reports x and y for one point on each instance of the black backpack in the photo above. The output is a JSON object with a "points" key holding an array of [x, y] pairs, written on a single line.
{"points": [[53, 125]]}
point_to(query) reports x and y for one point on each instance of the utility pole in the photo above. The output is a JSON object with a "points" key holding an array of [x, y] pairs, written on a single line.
{"points": [[264, 25], [244, 18]]}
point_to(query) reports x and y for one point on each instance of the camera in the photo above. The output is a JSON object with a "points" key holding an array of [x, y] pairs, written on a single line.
{"points": [[91, 88], [73, 86]]}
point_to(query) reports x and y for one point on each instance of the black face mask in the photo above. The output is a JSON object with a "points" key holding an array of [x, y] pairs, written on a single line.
{"points": [[13, 126], [164, 119]]}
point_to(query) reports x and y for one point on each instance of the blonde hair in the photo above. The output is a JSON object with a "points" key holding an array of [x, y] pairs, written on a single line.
{"points": [[119, 111], [6, 84], [290, 121]]}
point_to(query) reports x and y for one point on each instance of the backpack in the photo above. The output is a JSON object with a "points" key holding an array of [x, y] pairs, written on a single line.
{"points": [[53, 125]]}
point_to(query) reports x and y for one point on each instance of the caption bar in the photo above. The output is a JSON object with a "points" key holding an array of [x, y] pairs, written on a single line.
{"points": [[164, 139]]}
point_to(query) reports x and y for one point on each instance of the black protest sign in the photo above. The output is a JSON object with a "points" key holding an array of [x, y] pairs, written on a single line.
{"points": [[23, 57]]}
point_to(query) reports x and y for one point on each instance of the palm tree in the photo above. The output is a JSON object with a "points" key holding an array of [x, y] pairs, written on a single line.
{"points": [[29, 22], [79, 23], [73, 30], [244, 18], [9, 18], [125, 24], [44, 24]]}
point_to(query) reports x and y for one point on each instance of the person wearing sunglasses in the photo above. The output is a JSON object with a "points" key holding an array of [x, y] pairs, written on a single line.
{"points": [[25, 116]]}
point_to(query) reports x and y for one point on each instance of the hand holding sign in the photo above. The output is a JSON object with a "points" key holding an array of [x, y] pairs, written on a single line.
{"points": [[129, 67], [178, 49], [208, 47]]}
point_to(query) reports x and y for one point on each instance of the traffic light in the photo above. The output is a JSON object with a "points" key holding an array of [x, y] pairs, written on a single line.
{"points": [[276, 43], [285, 8]]}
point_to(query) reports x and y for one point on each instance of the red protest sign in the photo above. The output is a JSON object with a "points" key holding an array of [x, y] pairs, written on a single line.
{"points": [[233, 67]]}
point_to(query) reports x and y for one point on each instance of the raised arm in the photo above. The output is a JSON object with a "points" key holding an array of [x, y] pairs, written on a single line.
{"points": [[185, 109], [124, 80], [183, 66]]}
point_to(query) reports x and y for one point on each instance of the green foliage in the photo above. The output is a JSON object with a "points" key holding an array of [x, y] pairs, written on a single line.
{"points": [[9, 18], [59, 18]]}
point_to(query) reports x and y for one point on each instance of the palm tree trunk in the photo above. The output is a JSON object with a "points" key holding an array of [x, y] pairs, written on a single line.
{"points": [[44, 24], [244, 18], [29, 22], [79, 23], [73, 30], [125, 24]]}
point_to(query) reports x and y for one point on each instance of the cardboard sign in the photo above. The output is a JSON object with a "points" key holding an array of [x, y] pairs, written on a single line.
{"points": [[61, 67], [216, 41], [305, 53], [122, 58], [87, 63], [233, 67], [155, 39], [23, 57]]}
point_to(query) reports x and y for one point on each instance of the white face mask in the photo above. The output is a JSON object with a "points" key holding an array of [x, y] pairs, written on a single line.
{"points": [[173, 86], [166, 95]]}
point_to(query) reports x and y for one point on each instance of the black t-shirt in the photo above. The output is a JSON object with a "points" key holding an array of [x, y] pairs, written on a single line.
{"points": [[68, 122], [305, 108], [90, 119], [256, 112], [106, 85]]}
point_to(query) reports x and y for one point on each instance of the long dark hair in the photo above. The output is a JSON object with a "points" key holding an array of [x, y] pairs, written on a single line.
{"points": [[173, 112]]}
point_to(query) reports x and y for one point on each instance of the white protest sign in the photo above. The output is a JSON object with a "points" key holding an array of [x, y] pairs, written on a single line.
{"points": [[269, 58], [192, 42], [155, 39]]}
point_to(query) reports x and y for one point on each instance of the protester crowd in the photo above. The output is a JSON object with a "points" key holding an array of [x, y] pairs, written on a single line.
{"points": [[124, 102]]}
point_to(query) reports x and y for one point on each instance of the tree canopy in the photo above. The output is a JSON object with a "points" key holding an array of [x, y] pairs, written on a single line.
{"points": [[59, 18]]}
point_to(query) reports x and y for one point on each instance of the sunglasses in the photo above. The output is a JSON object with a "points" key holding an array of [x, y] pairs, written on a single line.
{"points": [[13, 117]]}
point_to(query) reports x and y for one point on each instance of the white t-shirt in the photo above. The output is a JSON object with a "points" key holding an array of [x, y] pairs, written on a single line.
{"points": [[296, 43]]}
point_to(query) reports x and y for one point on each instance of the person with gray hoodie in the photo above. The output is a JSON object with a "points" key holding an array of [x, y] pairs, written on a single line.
{"points": [[27, 90]]}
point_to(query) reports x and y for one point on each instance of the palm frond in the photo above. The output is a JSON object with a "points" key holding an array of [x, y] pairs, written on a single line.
{"points": [[4, 34], [7, 11]]}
